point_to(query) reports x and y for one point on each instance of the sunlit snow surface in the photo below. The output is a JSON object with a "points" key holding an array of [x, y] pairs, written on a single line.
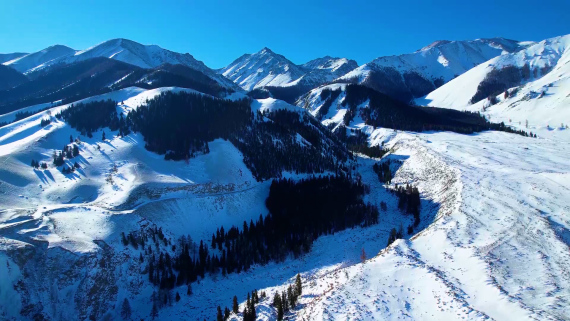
{"points": [[500, 252], [543, 100], [494, 244]]}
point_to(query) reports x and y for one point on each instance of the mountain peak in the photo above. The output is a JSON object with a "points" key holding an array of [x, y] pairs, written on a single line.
{"points": [[434, 44]]}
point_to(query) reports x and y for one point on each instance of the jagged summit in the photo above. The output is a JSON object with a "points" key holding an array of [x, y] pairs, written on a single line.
{"points": [[267, 68]]}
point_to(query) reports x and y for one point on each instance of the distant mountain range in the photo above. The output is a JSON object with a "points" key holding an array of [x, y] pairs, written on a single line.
{"points": [[447, 73]]}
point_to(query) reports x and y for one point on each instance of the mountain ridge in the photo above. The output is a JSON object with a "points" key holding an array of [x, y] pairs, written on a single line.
{"points": [[413, 75]]}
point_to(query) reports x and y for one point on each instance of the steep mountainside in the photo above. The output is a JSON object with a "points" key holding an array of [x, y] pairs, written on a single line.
{"points": [[127, 51], [361, 109], [264, 68], [530, 85], [84, 78], [268, 69], [146, 56], [10, 78], [11, 56], [67, 81], [47, 56], [413, 75]]}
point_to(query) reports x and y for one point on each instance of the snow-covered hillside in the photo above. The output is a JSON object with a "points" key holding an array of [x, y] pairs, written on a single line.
{"points": [[30, 61], [415, 74], [539, 95], [10, 56], [498, 248], [266, 68], [70, 222]]}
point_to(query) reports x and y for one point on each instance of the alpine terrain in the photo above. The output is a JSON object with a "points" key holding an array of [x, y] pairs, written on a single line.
{"points": [[137, 183]]}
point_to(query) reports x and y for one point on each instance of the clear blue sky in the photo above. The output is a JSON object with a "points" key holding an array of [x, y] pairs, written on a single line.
{"points": [[217, 32]]}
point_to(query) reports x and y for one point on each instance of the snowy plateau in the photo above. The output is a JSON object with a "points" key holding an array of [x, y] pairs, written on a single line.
{"points": [[493, 242]]}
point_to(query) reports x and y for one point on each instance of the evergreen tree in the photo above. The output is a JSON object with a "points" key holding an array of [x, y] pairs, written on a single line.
{"points": [[126, 310], [291, 296], [226, 313], [103, 136], [235, 305], [189, 291], [279, 306], [284, 301], [298, 285], [219, 316], [177, 297], [392, 236]]}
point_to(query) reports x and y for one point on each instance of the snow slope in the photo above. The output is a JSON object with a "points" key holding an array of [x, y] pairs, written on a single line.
{"points": [[10, 56], [541, 99], [420, 72], [263, 68], [30, 61], [266, 68], [324, 70], [498, 248]]}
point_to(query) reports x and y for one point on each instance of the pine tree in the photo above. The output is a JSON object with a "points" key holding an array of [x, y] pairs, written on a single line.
{"points": [[103, 137], [298, 285], [226, 313], [126, 310], [252, 313], [291, 296], [235, 305], [284, 301], [219, 316], [363, 256], [177, 297], [392, 236], [279, 307]]}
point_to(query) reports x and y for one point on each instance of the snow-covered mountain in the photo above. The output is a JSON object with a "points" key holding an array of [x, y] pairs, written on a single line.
{"points": [[124, 50], [266, 68], [530, 85], [11, 56], [326, 69], [415, 74], [263, 68], [31, 61]]}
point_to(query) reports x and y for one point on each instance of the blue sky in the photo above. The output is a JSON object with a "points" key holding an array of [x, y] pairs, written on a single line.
{"points": [[217, 32]]}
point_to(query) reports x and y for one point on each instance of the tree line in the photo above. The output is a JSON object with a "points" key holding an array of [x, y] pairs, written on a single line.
{"points": [[299, 212]]}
